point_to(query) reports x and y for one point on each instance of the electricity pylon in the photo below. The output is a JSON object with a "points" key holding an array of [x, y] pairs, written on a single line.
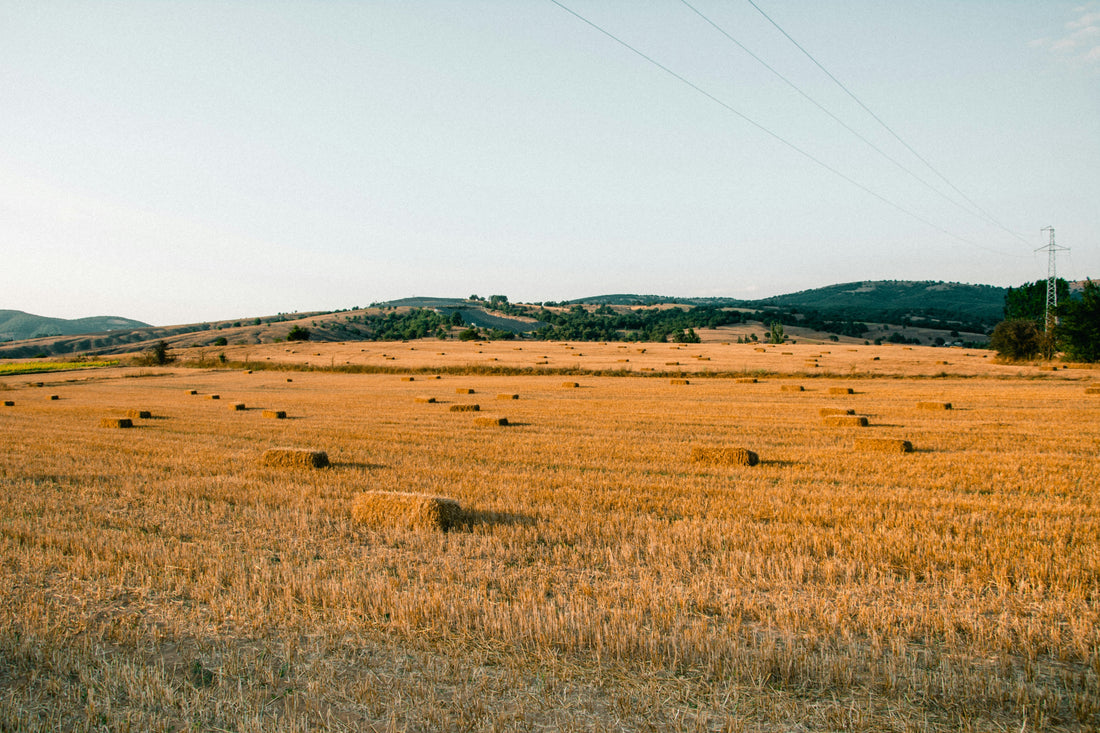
{"points": [[1052, 290]]}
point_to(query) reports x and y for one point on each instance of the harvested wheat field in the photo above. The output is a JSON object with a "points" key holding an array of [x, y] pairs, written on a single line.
{"points": [[597, 577]]}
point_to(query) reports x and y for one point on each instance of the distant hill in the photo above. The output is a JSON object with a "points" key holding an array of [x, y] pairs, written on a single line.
{"points": [[890, 298], [17, 325]]}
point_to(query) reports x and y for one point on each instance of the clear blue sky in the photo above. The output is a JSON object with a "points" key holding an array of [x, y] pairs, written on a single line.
{"points": [[183, 161]]}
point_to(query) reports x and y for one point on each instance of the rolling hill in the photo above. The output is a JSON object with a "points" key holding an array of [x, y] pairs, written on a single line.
{"points": [[17, 325]]}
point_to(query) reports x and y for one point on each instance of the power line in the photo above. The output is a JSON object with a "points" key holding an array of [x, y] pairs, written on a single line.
{"points": [[767, 131], [889, 129], [821, 107]]}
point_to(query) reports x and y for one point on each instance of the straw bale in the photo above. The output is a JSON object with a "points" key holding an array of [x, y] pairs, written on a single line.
{"points": [[746, 380], [792, 388], [883, 445], [465, 408], [236, 406], [843, 421], [508, 396], [213, 397], [463, 390], [404, 509], [934, 405], [407, 379], [9, 403], [55, 397], [192, 391], [116, 422], [294, 458], [841, 390], [139, 414], [1092, 390], [570, 385], [724, 455], [426, 400], [487, 420], [830, 411], [678, 381], [275, 414]]}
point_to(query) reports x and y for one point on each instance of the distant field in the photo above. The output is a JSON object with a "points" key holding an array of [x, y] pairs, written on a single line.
{"points": [[606, 574], [33, 367]]}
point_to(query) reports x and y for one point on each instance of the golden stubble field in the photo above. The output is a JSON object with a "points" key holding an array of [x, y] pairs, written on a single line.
{"points": [[162, 578]]}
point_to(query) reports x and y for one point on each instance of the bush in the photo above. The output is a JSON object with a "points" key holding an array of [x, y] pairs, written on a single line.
{"points": [[1017, 339], [469, 334], [220, 341], [297, 333]]}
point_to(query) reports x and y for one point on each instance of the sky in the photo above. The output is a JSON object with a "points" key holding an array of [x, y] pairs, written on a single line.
{"points": [[177, 162]]}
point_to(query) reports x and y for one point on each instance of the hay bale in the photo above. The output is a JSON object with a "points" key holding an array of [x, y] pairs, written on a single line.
{"points": [[746, 380], [116, 422], [275, 414], [846, 421], [55, 397], [508, 396], [463, 390], [760, 349], [294, 458], [830, 411], [883, 445], [289, 379], [678, 381], [426, 400], [404, 509], [1092, 390], [672, 363], [724, 455], [841, 390], [465, 408], [9, 403], [192, 391], [792, 388], [236, 407], [934, 405], [213, 396], [407, 379], [139, 414], [487, 420], [570, 385]]}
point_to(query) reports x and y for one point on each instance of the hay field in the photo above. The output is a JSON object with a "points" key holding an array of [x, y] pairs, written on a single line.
{"points": [[163, 577]]}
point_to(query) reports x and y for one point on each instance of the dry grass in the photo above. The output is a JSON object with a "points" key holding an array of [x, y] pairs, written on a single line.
{"points": [[381, 509], [294, 458], [162, 580]]}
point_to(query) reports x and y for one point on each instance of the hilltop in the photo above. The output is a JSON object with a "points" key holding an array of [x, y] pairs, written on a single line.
{"points": [[17, 325]]}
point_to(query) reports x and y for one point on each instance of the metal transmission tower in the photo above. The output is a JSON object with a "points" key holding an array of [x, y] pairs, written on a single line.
{"points": [[1052, 289]]}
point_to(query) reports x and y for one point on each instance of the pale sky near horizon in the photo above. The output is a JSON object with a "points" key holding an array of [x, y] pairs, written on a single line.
{"points": [[184, 161]]}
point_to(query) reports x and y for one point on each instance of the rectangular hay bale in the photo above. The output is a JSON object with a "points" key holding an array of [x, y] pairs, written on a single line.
{"points": [[508, 396], [831, 411], [379, 509], [841, 390], [724, 455], [883, 445], [465, 408], [426, 400], [934, 405], [678, 381], [139, 414], [490, 421], [116, 422], [294, 458], [275, 414], [846, 421]]}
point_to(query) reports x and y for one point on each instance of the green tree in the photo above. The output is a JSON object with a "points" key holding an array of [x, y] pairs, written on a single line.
{"points": [[1029, 301], [469, 334], [1017, 339], [776, 334], [297, 333], [1078, 330]]}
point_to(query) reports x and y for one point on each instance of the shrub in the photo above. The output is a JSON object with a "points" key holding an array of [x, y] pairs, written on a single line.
{"points": [[297, 333], [1016, 340]]}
